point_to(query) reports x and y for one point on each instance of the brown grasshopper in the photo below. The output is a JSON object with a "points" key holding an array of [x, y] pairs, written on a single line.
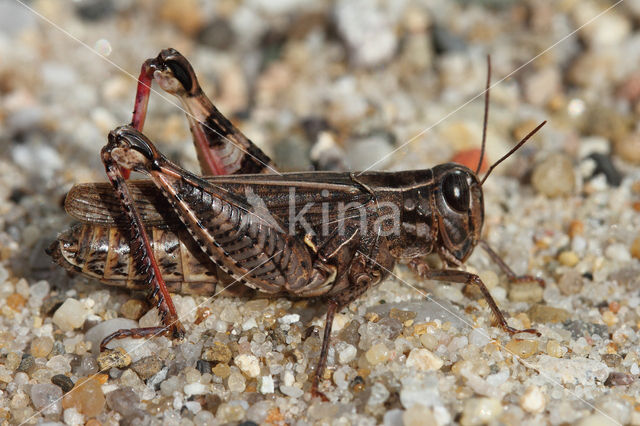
{"points": [[181, 232]]}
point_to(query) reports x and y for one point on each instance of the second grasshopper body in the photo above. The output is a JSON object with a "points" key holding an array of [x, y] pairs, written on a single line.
{"points": [[313, 234]]}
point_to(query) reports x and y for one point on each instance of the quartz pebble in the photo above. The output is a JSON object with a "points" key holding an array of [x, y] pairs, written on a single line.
{"points": [[236, 382], [533, 400], [87, 397], [123, 400], [47, 397], [526, 292], [249, 364], [41, 346], [478, 411], [424, 360], [418, 415], [70, 315], [377, 354], [554, 176], [522, 348]]}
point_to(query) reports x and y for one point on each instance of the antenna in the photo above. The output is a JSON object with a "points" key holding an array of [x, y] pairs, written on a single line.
{"points": [[486, 114], [514, 149]]}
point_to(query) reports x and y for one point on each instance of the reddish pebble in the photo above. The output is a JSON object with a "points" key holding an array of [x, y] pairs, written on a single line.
{"points": [[86, 397], [469, 158]]}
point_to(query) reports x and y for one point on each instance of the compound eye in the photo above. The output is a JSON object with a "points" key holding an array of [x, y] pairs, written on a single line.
{"points": [[180, 73], [456, 192]]}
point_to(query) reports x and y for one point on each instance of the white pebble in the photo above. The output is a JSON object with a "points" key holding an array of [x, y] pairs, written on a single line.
{"points": [[479, 337], [288, 379], [347, 354], [618, 252], [424, 360], [72, 417], [289, 319], [291, 391], [70, 315], [193, 406], [266, 385], [533, 401], [195, 389], [479, 411], [249, 324], [249, 364]]}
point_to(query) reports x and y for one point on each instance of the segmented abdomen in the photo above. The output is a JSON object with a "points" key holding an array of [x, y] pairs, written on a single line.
{"points": [[103, 252]]}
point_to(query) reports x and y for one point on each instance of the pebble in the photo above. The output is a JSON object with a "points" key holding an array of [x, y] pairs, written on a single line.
{"points": [[219, 352], [134, 309], [41, 346], [63, 382], [70, 315], [230, 413], [373, 150], [579, 328], [118, 358], [418, 415], [533, 400], [568, 258], [554, 176], [522, 348], [291, 391], [554, 349], [367, 29], [249, 365], [47, 397], [147, 366], [16, 302], [87, 398], [478, 411], [236, 382], [266, 385], [26, 363], [424, 360], [73, 417], [570, 282], [544, 314], [221, 370], [347, 354], [604, 165], [526, 292], [195, 389], [123, 400], [635, 248], [377, 354], [628, 148]]}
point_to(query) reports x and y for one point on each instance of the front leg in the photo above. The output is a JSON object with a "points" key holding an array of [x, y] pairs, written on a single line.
{"points": [[457, 276], [146, 262]]}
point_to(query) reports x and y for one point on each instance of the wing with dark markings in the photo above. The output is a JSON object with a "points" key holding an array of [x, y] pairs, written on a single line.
{"points": [[282, 195]]}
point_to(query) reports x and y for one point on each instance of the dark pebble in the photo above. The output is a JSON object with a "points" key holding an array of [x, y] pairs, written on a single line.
{"points": [[124, 401], [248, 423], [95, 10], [211, 403], [605, 166], [217, 34], [445, 41], [27, 363], [619, 379], [395, 326], [580, 328], [63, 382], [203, 366]]}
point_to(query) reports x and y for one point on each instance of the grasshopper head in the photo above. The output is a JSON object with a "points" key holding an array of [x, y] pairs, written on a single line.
{"points": [[131, 149], [174, 73], [459, 202]]}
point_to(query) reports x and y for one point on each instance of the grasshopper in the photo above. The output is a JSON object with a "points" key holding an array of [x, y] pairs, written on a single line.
{"points": [[311, 234]]}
